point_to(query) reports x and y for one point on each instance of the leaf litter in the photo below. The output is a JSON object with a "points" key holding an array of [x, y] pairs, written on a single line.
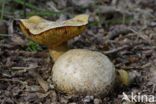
{"points": [[131, 46]]}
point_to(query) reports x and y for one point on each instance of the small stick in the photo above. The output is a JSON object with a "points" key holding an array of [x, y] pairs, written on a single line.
{"points": [[5, 35], [115, 50], [153, 89], [144, 37], [13, 80]]}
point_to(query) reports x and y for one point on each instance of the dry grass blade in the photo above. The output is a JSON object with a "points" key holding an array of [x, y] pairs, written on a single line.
{"points": [[141, 35]]}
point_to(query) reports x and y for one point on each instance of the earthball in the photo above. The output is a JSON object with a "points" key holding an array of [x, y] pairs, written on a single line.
{"points": [[83, 72]]}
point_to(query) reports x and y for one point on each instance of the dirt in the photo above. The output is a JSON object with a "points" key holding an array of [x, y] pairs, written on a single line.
{"points": [[123, 30]]}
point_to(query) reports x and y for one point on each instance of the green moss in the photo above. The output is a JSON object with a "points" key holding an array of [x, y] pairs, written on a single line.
{"points": [[32, 46]]}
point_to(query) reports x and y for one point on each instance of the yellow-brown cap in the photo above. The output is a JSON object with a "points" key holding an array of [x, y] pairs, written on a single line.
{"points": [[50, 33]]}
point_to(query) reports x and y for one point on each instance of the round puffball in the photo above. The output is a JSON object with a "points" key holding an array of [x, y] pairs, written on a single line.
{"points": [[83, 72]]}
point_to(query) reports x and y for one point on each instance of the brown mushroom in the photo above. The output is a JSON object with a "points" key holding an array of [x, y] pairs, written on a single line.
{"points": [[53, 34]]}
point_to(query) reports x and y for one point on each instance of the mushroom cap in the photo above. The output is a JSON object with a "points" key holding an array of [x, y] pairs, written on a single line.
{"points": [[83, 72], [52, 33]]}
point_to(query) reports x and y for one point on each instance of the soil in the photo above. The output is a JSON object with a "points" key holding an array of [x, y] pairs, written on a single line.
{"points": [[125, 31]]}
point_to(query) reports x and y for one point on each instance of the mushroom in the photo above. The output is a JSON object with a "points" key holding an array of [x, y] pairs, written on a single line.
{"points": [[86, 72], [77, 71], [53, 34], [83, 72]]}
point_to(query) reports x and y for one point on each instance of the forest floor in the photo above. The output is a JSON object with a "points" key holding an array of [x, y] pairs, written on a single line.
{"points": [[124, 30]]}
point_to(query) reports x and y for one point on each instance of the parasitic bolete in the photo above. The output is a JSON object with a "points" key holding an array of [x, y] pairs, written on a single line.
{"points": [[77, 71], [53, 34]]}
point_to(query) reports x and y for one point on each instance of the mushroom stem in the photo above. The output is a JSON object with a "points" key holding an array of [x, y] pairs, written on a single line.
{"points": [[58, 51]]}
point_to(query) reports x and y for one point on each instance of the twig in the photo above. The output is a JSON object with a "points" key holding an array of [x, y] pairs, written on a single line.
{"points": [[117, 30], [146, 65], [31, 66], [115, 50], [144, 37], [13, 80], [5, 35], [19, 70], [153, 88]]}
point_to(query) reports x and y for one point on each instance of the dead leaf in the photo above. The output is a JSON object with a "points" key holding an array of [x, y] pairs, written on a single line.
{"points": [[40, 80]]}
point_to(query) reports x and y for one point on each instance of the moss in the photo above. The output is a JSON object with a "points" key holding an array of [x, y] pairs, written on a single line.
{"points": [[32, 46]]}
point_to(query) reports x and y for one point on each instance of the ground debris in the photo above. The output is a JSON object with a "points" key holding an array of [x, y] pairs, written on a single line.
{"points": [[123, 30]]}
